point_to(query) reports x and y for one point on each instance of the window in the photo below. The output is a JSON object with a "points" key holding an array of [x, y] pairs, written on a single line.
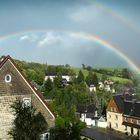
{"points": [[116, 117], [138, 122], [114, 109], [45, 136], [131, 120], [26, 102], [8, 78], [125, 128], [125, 119], [116, 125]]}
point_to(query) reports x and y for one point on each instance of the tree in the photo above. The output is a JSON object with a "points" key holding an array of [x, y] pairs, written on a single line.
{"points": [[90, 78], [126, 74], [28, 124], [67, 125], [104, 77], [80, 77], [83, 66], [58, 81], [95, 81], [48, 85]]}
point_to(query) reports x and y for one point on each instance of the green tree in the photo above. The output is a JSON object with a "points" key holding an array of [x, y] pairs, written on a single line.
{"points": [[80, 77], [90, 78], [104, 77], [28, 124], [48, 85], [95, 79], [126, 73], [83, 66], [67, 126], [58, 81]]}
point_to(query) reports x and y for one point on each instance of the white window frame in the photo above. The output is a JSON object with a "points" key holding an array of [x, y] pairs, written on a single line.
{"points": [[10, 78], [26, 102]]}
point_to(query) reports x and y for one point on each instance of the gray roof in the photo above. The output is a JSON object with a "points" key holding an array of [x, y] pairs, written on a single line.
{"points": [[132, 108]]}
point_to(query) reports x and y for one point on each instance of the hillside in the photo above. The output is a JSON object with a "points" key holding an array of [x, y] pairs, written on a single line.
{"points": [[121, 80], [36, 71]]}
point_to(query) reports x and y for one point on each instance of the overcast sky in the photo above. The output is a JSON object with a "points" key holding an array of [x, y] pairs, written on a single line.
{"points": [[115, 21]]}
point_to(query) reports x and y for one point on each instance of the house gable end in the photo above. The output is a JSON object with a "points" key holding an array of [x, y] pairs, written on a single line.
{"points": [[19, 85], [112, 106]]}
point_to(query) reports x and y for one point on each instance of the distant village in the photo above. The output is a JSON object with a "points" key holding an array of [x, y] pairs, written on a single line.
{"points": [[99, 101]]}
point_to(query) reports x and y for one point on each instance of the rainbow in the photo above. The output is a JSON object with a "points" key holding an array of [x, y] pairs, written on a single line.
{"points": [[113, 13], [88, 36]]}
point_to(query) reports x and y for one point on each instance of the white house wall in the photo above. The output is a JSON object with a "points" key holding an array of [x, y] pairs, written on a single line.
{"points": [[111, 119]]}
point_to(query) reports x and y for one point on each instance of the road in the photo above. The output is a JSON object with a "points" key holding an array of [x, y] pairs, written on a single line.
{"points": [[100, 135]]}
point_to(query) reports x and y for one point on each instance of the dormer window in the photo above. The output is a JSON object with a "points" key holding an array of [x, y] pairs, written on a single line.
{"points": [[8, 78]]}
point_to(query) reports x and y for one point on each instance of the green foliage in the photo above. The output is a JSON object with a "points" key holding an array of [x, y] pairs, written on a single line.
{"points": [[92, 78], [34, 71], [80, 77], [28, 124], [61, 69], [103, 98], [114, 74], [58, 81], [67, 126], [126, 74], [48, 85], [72, 94], [71, 131]]}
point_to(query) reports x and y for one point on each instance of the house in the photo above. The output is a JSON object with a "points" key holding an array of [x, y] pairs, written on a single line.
{"points": [[107, 86], [91, 87], [131, 117], [115, 113], [87, 114], [14, 85], [115, 110], [52, 75], [102, 122]]}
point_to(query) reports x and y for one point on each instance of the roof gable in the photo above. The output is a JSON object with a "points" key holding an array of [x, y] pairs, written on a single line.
{"points": [[113, 107], [37, 93]]}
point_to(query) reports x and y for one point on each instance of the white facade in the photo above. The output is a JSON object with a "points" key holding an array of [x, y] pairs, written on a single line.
{"points": [[88, 121], [92, 88], [132, 131], [102, 123], [115, 120], [63, 77]]}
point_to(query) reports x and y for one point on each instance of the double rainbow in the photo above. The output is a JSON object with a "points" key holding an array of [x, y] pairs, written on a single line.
{"points": [[88, 36]]}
